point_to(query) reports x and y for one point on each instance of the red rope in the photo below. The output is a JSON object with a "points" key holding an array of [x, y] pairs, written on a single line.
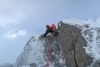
{"points": [[49, 50]]}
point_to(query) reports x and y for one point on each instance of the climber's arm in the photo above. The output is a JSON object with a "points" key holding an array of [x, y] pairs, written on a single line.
{"points": [[45, 34]]}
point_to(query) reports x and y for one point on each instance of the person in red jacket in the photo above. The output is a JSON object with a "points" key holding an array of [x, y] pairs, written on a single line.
{"points": [[50, 29]]}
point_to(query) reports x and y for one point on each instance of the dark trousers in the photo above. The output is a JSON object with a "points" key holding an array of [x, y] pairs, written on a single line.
{"points": [[54, 33]]}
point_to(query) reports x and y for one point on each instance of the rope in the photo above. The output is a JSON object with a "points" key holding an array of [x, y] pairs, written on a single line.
{"points": [[49, 51]]}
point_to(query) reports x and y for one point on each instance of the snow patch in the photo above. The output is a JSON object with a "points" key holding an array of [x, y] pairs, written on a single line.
{"points": [[61, 61], [36, 55], [92, 23]]}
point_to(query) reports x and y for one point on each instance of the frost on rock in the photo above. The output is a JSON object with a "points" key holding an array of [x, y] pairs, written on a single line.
{"points": [[33, 53], [92, 36], [90, 31], [72, 43], [36, 51]]}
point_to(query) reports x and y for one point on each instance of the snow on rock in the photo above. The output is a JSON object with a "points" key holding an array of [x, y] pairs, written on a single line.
{"points": [[36, 53], [92, 23], [72, 43], [92, 36], [33, 53], [90, 30]]}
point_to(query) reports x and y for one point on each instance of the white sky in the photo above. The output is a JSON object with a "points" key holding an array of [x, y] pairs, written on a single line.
{"points": [[20, 19]]}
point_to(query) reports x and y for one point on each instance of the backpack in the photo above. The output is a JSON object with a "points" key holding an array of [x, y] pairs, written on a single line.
{"points": [[53, 26]]}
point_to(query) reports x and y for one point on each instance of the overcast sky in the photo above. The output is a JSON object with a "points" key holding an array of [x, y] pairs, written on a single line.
{"points": [[21, 19]]}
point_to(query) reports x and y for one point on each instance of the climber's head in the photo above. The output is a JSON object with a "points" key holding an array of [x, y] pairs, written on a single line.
{"points": [[48, 27]]}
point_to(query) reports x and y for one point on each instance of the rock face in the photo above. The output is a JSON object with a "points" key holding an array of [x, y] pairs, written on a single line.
{"points": [[72, 43], [56, 57], [37, 52], [65, 50]]}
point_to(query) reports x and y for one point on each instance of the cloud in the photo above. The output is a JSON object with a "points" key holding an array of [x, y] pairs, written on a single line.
{"points": [[15, 11], [14, 14], [8, 12], [13, 35]]}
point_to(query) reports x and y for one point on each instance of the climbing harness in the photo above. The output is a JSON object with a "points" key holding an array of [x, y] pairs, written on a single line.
{"points": [[49, 51]]}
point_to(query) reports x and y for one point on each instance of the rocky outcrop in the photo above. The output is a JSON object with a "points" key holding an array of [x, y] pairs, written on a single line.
{"points": [[52, 51], [65, 50], [72, 43], [38, 52]]}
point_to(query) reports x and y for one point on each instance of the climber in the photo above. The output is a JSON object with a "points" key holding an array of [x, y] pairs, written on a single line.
{"points": [[53, 26], [50, 29], [55, 33]]}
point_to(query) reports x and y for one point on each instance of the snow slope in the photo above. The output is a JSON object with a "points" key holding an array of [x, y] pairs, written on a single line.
{"points": [[91, 33]]}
